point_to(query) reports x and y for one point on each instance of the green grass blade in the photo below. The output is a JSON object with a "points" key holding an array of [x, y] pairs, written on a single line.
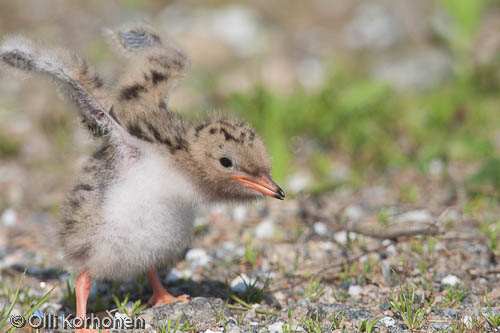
{"points": [[9, 311]]}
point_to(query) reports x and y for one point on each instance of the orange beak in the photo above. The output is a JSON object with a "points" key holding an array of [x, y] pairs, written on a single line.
{"points": [[264, 185]]}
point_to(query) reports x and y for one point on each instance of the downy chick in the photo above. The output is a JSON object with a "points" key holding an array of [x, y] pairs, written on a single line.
{"points": [[132, 207]]}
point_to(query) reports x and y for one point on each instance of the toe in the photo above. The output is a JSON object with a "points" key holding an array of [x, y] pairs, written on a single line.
{"points": [[184, 299], [167, 299]]}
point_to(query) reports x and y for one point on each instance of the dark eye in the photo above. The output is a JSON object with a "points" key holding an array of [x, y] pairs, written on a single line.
{"points": [[226, 162]]}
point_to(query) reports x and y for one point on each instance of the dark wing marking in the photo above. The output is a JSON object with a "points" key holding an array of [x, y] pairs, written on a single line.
{"points": [[73, 74]]}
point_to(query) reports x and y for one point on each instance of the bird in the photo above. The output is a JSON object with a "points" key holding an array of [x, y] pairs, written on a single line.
{"points": [[132, 207]]}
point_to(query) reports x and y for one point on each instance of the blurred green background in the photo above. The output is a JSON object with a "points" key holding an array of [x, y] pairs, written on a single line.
{"points": [[343, 92]]}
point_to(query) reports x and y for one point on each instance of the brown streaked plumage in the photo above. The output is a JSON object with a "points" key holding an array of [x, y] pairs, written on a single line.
{"points": [[132, 207]]}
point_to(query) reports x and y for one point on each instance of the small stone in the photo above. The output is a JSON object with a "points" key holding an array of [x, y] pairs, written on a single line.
{"points": [[354, 212], [232, 328], [303, 302], [342, 236], [450, 280], [372, 28], [240, 213], [121, 316], [200, 221], [9, 217], [320, 229], [451, 313], [244, 35], [440, 327], [265, 229], [298, 182], [129, 306], [420, 70], [228, 251], [240, 283], [415, 216], [468, 321], [354, 291], [325, 246], [198, 257], [387, 322], [345, 285], [175, 275], [486, 312], [277, 327], [436, 167], [391, 250], [250, 314]]}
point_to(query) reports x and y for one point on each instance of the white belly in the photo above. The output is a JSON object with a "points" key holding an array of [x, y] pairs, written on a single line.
{"points": [[147, 219]]}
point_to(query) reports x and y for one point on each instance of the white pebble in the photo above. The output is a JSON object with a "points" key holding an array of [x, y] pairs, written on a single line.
{"points": [[265, 229], [298, 182], [387, 322], [200, 221], [240, 283], [341, 236], [320, 228], [265, 266], [176, 275], [277, 327], [244, 35], [436, 167], [467, 320], [450, 280], [354, 212], [415, 216], [121, 316], [198, 257], [325, 246], [354, 290], [240, 213], [9, 217]]}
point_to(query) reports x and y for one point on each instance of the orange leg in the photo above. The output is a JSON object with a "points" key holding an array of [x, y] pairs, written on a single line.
{"points": [[82, 290], [160, 295]]}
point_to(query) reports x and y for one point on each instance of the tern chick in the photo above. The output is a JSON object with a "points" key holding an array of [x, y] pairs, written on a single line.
{"points": [[132, 207]]}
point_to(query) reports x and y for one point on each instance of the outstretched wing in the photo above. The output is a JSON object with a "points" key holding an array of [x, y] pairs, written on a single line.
{"points": [[155, 66], [78, 81]]}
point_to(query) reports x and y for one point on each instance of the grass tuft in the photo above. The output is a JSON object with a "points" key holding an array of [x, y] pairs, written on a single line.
{"points": [[405, 303]]}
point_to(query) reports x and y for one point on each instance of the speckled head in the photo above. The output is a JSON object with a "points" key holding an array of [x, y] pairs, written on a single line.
{"points": [[230, 161]]}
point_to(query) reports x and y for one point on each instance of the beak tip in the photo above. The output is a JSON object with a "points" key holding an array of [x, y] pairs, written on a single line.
{"points": [[264, 185], [281, 194]]}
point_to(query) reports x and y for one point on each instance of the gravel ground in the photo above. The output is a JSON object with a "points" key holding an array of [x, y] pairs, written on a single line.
{"points": [[253, 268], [315, 262]]}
